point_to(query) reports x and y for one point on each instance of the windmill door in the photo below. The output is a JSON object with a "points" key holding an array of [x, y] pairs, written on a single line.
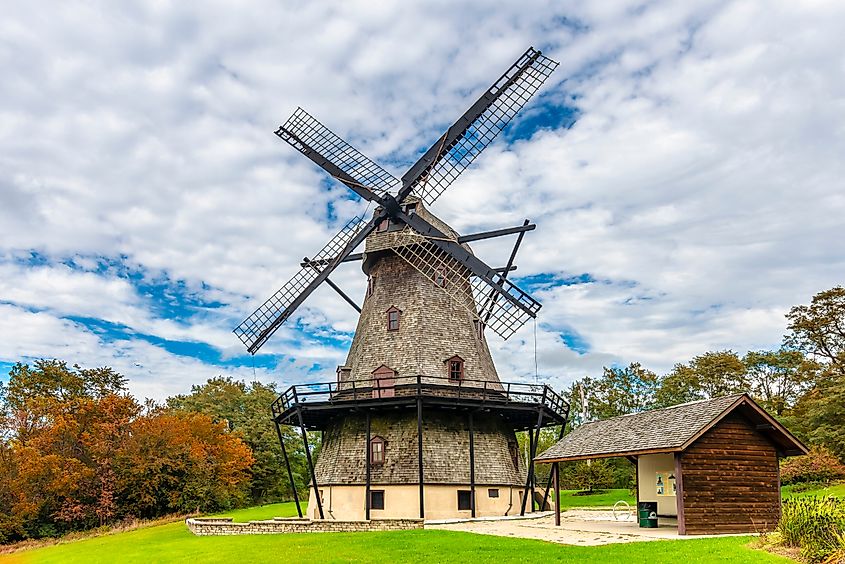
{"points": [[384, 380]]}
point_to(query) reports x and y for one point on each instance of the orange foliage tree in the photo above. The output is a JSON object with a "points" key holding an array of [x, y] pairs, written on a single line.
{"points": [[77, 451]]}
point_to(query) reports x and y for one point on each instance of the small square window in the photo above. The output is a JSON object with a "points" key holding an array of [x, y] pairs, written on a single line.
{"points": [[493, 492], [456, 369], [377, 451], [383, 225], [411, 209], [464, 500], [440, 277], [376, 499]]}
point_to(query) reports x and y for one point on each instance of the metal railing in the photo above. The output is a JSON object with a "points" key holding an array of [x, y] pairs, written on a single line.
{"points": [[420, 385]]}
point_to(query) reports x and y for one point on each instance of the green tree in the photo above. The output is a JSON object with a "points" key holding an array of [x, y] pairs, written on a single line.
{"points": [[621, 391], [778, 378], [593, 475], [709, 375], [818, 329]]}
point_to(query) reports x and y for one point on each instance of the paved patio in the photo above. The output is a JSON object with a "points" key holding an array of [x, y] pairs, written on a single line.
{"points": [[577, 526]]}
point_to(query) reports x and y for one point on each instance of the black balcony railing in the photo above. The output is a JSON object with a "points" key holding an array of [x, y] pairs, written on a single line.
{"points": [[481, 391]]}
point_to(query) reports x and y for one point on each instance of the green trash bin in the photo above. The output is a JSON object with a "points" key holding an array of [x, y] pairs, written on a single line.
{"points": [[647, 512]]}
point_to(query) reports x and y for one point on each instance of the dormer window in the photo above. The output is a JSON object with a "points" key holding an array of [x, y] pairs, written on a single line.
{"points": [[377, 451], [455, 368], [393, 319]]}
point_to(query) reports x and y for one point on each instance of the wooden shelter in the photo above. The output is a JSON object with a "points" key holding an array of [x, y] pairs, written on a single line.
{"points": [[712, 463]]}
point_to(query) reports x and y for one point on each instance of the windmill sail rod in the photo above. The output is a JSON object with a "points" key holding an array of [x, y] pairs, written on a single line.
{"points": [[323, 162], [281, 318], [335, 287], [475, 265], [442, 146], [461, 239], [493, 297], [496, 233]]}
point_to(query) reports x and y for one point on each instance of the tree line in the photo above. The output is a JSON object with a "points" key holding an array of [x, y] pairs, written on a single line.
{"points": [[801, 383], [77, 451]]}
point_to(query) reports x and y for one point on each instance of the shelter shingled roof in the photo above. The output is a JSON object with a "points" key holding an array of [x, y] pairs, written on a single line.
{"points": [[662, 430]]}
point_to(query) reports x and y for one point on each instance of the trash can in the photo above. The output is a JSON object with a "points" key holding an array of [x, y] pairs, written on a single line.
{"points": [[647, 512]]}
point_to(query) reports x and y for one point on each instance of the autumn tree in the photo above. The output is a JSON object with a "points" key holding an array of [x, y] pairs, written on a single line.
{"points": [[77, 451], [245, 409]]}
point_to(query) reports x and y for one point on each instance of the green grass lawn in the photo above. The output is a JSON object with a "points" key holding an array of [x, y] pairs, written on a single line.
{"points": [[173, 543], [837, 490], [606, 498]]}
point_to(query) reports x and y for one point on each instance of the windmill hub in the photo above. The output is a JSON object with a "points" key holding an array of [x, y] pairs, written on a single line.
{"points": [[416, 422]]}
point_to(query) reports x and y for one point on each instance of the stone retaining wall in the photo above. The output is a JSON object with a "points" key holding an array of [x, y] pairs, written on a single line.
{"points": [[225, 526]]}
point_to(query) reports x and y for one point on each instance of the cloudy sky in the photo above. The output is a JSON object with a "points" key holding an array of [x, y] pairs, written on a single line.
{"points": [[684, 165]]}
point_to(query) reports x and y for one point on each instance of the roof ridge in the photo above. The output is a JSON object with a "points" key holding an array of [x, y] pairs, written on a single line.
{"points": [[685, 404]]}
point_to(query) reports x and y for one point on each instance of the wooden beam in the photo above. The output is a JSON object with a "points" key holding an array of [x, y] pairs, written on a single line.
{"points": [[679, 494], [623, 454], [290, 472], [420, 450], [471, 466], [556, 474], [369, 463], [310, 464]]}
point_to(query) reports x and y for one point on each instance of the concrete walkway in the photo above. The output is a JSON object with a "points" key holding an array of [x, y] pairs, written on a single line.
{"points": [[577, 526]]}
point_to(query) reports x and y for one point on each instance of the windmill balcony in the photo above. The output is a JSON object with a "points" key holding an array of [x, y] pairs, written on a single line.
{"points": [[313, 405]]}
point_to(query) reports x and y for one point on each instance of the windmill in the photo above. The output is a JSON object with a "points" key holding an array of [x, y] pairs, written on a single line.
{"points": [[420, 344]]}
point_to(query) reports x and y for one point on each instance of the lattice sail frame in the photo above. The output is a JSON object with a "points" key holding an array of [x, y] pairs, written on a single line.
{"points": [[473, 293], [252, 328], [302, 127], [511, 92]]}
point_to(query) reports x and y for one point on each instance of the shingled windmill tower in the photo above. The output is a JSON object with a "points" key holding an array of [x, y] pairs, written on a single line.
{"points": [[417, 422]]}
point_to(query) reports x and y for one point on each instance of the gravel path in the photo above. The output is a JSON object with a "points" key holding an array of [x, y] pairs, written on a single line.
{"points": [[578, 527]]}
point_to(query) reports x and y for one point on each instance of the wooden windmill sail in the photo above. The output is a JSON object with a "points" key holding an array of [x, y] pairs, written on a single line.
{"points": [[418, 408]]}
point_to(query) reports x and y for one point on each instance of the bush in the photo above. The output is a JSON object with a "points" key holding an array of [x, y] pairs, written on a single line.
{"points": [[819, 466], [815, 525], [591, 476]]}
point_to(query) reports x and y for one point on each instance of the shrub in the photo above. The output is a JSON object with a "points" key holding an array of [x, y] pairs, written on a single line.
{"points": [[820, 466], [591, 476], [815, 525]]}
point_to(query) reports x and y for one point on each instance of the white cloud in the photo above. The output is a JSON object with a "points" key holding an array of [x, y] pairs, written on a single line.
{"points": [[701, 186]]}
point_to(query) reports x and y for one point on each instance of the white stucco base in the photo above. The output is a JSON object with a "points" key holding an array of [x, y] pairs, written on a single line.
{"points": [[648, 468], [402, 501]]}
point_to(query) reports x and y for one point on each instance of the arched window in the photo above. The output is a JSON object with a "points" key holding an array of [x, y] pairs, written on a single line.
{"points": [[377, 450], [371, 284], [455, 368], [393, 315]]}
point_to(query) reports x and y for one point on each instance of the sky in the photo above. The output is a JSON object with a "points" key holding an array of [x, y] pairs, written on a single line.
{"points": [[683, 166]]}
